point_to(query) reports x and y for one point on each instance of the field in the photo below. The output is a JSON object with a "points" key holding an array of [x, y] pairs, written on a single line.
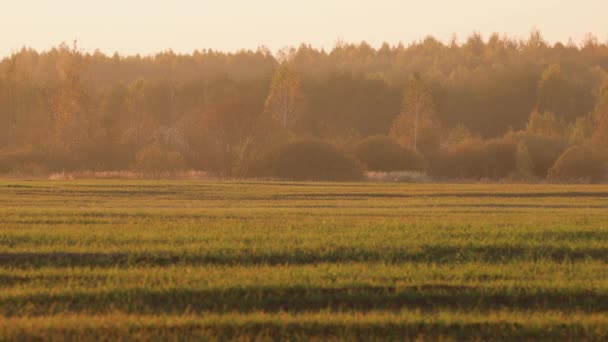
{"points": [[157, 260]]}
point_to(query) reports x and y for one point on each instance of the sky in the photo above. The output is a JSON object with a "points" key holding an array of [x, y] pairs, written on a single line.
{"points": [[151, 26]]}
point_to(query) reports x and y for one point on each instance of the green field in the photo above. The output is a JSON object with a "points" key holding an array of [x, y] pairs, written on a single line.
{"points": [[157, 260]]}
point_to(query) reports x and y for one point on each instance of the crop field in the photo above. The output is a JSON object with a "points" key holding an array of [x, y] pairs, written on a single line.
{"points": [[166, 260]]}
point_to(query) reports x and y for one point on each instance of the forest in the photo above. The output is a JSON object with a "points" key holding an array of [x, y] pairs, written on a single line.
{"points": [[486, 108]]}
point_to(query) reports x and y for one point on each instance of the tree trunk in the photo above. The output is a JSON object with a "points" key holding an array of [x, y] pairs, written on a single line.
{"points": [[416, 129]]}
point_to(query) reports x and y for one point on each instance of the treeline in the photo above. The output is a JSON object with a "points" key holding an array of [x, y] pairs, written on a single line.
{"points": [[494, 108]]}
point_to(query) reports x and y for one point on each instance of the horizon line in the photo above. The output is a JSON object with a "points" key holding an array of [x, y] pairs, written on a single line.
{"points": [[570, 42]]}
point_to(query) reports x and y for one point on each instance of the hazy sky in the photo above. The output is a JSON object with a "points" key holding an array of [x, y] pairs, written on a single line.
{"points": [[148, 26]]}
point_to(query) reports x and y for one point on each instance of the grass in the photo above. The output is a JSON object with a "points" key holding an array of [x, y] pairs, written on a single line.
{"points": [[186, 260]]}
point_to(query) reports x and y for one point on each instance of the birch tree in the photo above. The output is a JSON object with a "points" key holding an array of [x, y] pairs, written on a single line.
{"points": [[285, 99], [416, 120]]}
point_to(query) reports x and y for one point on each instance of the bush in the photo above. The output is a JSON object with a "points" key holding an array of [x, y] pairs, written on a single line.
{"points": [[308, 160], [154, 159], [381, 153], [579, 164], [26, 162], [477, 159], [542, 151]]}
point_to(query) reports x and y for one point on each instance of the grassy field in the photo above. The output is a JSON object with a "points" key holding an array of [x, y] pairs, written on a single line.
{"points": [[158, 260]]}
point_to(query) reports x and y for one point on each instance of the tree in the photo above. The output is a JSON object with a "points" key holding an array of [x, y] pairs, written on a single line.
{"points": [[524, 163], [582, 130], [112, 123], [234, 118], [9, 102], [285, 100], [346, 101], [416, 121], [457, 135], [5, 113], [114, 111], [70, 109], [141, 128], [71, 103], [601, 106], [600, 137], [545, 124], [559, 95]]}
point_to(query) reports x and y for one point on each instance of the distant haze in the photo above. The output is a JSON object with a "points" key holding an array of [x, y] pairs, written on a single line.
{"points": [[146, 27]]}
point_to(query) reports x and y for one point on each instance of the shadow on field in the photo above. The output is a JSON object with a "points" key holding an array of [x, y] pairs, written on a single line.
{"points": [[357, 195], [318, 331], [427, 298], [428, 254]]}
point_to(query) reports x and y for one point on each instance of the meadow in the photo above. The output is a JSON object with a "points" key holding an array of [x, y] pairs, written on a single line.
{"points": [[191, 260]]}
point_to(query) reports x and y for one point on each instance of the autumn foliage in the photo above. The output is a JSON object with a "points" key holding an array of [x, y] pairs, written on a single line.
{"points": [[482, 108]]}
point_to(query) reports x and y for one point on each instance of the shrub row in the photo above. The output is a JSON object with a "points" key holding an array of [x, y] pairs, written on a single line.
{"points": [[381, 153], [475, 160], [308, 160], [23, 161], [518, 155]]}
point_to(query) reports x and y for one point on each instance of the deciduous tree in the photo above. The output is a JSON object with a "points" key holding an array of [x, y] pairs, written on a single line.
{"points": [[285, 100], [70, 109], [416, 122]]}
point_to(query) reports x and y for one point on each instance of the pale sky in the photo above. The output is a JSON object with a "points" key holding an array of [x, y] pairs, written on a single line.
{"points": [[150, 26]]}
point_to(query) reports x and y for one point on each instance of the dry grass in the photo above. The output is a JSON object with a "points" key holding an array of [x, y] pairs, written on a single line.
{"points": [[398, 177]]}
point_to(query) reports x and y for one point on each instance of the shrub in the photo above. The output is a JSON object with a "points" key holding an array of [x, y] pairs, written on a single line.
{"points": [[429, 141], [543, 151], [381, 153], [524, 164], [24, 161], [477, 159], [154, 159], [579, 164], [308, 160]]}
